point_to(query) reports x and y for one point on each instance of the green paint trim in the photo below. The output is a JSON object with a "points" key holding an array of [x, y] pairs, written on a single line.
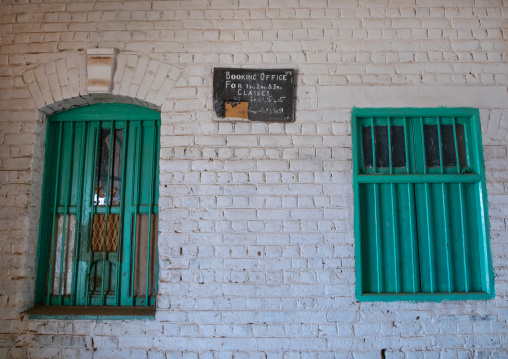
{"points": [[107, 112], [423, 297], [356, 202], [364, 112], [90, 119], [419, 178], [477, 178]]}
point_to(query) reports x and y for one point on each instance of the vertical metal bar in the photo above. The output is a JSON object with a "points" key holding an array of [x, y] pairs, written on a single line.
{"points": [[413, 242], [137, 174], [390, 145], [376, 212], [150, 209], [107, 200], [445, 208], [406, 147], [156, 179], [79, 206], [66, 210], [94, 204], [439, 142], [55, 200], [394, 219], [412, 225], [465, 253], [373, 145], [427, 212], [462, 219], [447, 236], [378, 244], [456, 146], [122, 208], [395, 239]]}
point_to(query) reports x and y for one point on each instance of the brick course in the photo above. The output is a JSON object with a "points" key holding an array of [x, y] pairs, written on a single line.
{"points": [[256, 238]]}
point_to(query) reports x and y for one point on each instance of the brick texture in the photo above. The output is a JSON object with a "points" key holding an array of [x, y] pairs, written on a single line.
{"points": [[256, 238]]}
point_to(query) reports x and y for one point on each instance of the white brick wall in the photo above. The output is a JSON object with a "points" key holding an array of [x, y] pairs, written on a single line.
{"points": [[256, 224]]}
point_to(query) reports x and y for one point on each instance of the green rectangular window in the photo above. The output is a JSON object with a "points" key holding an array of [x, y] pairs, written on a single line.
{"points": [[421, 220], [98, 224]]}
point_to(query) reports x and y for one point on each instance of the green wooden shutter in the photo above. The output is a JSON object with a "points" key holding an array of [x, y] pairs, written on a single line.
{"points": [[421, 222]]}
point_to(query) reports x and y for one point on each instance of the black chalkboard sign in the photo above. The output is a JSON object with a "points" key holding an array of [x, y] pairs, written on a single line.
{"points": [[259, 95]]}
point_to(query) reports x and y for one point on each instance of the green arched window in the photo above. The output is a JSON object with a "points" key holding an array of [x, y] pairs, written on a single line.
{"points": [[98, 225]]}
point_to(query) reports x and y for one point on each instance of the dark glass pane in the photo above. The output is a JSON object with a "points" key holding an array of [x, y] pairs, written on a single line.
{"points": [[398, 146], [105, 175], [431, 140], [381, 146], [367, 146], [448, 146], [461, 145], [380, 143]]}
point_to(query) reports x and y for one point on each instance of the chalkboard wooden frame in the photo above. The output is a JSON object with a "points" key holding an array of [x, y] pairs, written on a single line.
{"points": [[267, 93]]}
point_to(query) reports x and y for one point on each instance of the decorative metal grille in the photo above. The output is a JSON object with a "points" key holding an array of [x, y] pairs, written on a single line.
{"points": [[98, 230]]}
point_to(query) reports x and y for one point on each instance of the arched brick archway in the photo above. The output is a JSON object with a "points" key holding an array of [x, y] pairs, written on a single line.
{"points": [[60, 84]]}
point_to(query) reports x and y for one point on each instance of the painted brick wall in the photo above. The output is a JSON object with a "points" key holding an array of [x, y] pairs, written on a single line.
{"points": [[256, 224]]}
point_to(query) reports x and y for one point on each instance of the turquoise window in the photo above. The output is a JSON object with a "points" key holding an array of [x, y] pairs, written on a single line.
{"points": [[421, 217], [98, 225]]}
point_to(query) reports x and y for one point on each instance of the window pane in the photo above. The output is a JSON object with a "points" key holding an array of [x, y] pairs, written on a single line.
{"points": [[113, 175], [431, 140], [448, 145], [461, 145], [141, 255], [62, 263], [367, 146], [398, 146], [380, 143]]}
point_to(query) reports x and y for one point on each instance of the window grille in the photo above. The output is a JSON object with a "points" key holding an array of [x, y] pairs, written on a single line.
{"points": [[98, 226], [421, 222]]}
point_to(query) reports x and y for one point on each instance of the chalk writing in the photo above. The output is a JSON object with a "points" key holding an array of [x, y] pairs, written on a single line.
{"points": [[269, 93]]}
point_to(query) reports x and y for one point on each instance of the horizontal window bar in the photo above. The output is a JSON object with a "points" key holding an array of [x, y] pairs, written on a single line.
{"points": [[432, 297], [413, 112], [419, 178]]}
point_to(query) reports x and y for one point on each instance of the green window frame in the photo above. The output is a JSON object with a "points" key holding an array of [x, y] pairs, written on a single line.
{"points": [[420, 205], [99, 213]]}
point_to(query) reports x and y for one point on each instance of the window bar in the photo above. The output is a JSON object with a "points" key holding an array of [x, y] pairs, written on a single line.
{"points": [[122, 215], [94, 207], [376, 211], [107, 201], [462, 224], [456, 146], [410, 194], [394, 217], [427, 212], [137, 173], [445, 209], [152, 179], [78, 213], [66, 210], [373, 145], [55, 200], [156, 181], [389, 144], [439, 144]]}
